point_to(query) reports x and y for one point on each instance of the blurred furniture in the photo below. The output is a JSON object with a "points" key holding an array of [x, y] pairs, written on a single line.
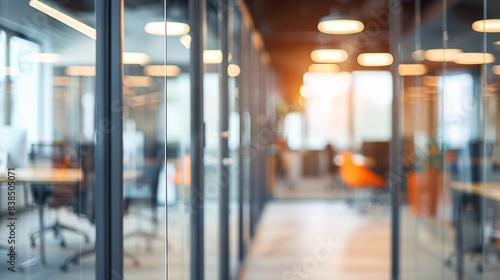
{"points": [[39, 178], [358, 176], [469, 201], [379, 152], [143, 191], [57, 196], [314, 163], [87, 163]]}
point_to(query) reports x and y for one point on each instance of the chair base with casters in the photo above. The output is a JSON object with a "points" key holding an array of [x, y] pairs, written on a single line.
{"points": [[42, 195], [57, 227], [74, 259], [360, 178]]}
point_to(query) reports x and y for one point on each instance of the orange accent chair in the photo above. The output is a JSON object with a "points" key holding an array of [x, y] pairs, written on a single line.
{"points": [[358, 175]]}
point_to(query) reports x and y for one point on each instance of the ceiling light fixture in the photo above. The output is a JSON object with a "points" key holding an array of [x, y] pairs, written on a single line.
{"points": [[475, 58], [487, 25], [323, 68], [43, 57], [375, 59], [186, 41], [442, 55], [412, 69], [305, 91], [329, 55], [162, 70], [167, 28], [80, 71], [135, 58], [64, 18], [418, 55], [336, 24], [233, 70], [212, 56], [496, 69]]}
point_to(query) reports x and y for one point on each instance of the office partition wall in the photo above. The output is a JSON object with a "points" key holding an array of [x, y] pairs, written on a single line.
{"points": [[448, 90], [47, 98]]}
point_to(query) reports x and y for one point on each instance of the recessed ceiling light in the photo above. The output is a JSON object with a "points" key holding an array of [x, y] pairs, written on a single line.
{"points": [[475, 58], [324, 68], [496, 69], [329, 55], [335, 24], [442, 55], [305, 91], [375, 59], [168, 28], [43, 57], [80, 71], [418, 55], [212, 56], [412, 69], [162, 70], [233, 70], [135, 58], [487, 25]]}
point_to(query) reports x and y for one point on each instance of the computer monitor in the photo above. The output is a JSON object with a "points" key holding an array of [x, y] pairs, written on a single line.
{"points": [[13, 143]]}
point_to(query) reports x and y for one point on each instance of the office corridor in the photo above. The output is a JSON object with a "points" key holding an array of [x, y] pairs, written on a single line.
{"points": [[319, 240]]}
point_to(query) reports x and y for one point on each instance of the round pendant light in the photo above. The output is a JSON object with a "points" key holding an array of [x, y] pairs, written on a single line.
{"points": [[375, 59], [324, 55], [336, 24]]}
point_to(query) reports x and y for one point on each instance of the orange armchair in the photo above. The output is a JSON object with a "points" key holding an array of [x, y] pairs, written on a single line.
{"points": [[358, 175]]}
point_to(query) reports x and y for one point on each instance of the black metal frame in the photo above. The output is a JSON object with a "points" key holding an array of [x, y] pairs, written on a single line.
{"points": [[198, 27], [224, 173], [395, 176], [109, 140]]}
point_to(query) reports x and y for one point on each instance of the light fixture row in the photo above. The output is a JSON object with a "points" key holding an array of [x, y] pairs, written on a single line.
{"points": [[454, 55], [324, 55], [403, 69]]}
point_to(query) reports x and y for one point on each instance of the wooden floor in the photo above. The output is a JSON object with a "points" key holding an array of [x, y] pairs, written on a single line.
{"points": [[319, 240]]}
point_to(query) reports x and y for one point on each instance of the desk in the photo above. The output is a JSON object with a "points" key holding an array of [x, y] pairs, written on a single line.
{"points": [[53, 176], [487, 190]]}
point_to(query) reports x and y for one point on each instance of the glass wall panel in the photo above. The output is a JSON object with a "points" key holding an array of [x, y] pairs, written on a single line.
{"points": [[449, 215], [235, 169], [212, 58], [149, 177], [47, 93], [178, 164]]}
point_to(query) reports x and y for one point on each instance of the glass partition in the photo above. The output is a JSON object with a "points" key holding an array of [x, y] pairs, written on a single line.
{"points": [[449, 91], [47, 94], [148, 176]]}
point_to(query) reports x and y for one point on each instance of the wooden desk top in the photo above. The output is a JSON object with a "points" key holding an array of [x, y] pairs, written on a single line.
{"points": [[57, 175], [47, 175], [488, 190]]}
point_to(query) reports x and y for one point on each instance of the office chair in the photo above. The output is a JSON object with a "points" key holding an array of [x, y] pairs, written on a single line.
{"points": [[359, 177], [145, 190], [87, 205], [56, 196]]}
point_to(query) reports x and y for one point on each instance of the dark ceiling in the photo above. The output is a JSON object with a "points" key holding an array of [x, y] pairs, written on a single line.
{"points": [[289, 28]]}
